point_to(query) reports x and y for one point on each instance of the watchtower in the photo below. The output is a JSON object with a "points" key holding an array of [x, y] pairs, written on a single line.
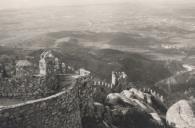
{"points": [[46, 63], [119, 81]]}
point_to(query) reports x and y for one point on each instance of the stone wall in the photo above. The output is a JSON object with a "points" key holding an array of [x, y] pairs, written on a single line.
{"points": [[25, 88], [85, 93], [57, 111]]}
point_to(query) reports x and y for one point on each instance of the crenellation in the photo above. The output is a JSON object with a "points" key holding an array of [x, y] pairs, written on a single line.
{"points": [[99, 82], [102, 84], [106, 84], [94, 83], [153, 93]]}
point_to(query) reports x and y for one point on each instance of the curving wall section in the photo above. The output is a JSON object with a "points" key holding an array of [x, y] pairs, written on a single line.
{"points": [[27, 88], [57, 111]]}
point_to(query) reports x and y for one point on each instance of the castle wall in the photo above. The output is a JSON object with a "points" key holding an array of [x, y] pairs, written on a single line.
{"points": [[25, 88], [85, 93], [57, 111], [101, 90]]}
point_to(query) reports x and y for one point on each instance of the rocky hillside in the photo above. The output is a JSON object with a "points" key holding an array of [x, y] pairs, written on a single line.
{"points": [[103, 52], [178, 86], [128, 109]]}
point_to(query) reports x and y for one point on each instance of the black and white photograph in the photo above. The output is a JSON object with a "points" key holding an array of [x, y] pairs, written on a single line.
{"points": [[97, 63]]}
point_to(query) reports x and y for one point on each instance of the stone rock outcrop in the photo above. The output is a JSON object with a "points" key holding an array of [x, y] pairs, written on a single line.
{"points": [[128, 109], [146, 102], [182, 114], [137, 98], [121, 117]]}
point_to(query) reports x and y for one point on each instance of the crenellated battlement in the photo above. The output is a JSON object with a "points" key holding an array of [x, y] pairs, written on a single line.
{"points": [[154, 93], [118, 77], [103, 84]]}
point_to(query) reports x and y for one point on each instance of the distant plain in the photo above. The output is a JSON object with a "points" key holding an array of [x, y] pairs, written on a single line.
{"points": [[163, 32]]}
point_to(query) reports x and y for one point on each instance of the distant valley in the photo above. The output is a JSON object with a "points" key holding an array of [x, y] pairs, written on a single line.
{"points": [[166, 33], [151, 48]]}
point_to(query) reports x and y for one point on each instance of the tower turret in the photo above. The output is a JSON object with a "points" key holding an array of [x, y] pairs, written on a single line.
{"points": [[46, 63], [113, 78]]}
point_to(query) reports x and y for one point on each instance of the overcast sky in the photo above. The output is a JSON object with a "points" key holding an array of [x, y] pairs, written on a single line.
{"points": [[5, 4]]}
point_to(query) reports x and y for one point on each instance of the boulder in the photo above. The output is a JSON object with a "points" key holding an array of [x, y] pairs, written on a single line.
{"points": [[123, 117], [181, 114], [119, 99], [127, 93], [113, 99], [137, 93]]}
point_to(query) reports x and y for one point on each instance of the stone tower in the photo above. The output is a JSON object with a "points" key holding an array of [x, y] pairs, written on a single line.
{"points": [[42, 67], [46, 63], [57, 65], [119, 81], [48, 66], [113, 78]]}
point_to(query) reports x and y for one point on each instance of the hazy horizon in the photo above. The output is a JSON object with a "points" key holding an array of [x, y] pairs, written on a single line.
{"points": [[17, 4]]}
